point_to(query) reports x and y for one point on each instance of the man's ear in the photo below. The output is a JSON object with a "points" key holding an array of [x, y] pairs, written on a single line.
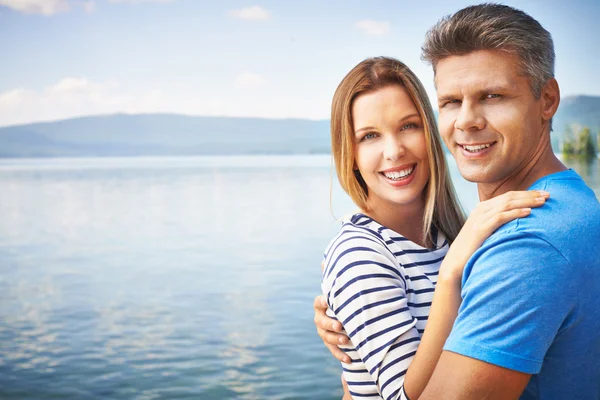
{"points": [[550, 99]]}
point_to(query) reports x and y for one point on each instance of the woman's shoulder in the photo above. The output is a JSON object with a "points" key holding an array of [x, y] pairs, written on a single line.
{"points": [[357, 241], [357, 228]]}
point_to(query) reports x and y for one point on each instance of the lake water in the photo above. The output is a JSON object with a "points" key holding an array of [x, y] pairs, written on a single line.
{"points": [[169, 278]]}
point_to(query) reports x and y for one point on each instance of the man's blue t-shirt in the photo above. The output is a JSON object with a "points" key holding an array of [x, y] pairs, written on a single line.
{"points": [[531, 295]]}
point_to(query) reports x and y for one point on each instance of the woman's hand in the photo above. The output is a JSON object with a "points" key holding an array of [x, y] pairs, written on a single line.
{"points": [[487, 216]]}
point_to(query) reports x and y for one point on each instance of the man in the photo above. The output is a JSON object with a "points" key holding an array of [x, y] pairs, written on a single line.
{"points": [[529, 323]]}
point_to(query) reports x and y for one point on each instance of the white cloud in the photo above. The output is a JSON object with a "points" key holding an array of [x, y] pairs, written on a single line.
{"points": [[72, 97], [254, 13], [78, 96], [45, 7], [249, 80], [374, 28], [51, 7]]}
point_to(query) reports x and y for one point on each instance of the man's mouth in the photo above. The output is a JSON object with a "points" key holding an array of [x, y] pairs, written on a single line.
{"points": [[476, 148], [399, 174]]}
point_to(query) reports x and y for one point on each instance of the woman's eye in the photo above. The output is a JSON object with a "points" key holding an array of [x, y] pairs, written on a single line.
{"points": [[369, 135], [411, 125]]}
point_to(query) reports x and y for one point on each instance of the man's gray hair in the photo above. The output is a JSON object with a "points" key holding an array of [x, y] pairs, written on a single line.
{"points": [[491, 26]]}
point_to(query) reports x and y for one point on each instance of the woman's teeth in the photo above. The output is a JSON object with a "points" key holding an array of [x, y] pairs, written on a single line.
{"points": [[397, 175]]}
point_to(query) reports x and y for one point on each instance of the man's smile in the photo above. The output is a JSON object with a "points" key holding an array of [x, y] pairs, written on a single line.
{"points": [[474, 148]]}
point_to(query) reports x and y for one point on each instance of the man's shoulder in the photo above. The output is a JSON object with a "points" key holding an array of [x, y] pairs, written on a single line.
{"points": [[557, 240], [568, 192], [572, 204], [511, 248]]}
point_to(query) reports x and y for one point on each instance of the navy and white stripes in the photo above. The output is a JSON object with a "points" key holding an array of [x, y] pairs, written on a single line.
{"points": [[379, 285]]}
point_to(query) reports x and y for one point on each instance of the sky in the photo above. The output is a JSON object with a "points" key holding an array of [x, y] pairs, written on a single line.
{"points": [[271, 59]]}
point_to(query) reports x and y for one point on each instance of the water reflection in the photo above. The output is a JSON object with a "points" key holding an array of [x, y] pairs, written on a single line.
{"points": [[589, 170], [163, 278]]}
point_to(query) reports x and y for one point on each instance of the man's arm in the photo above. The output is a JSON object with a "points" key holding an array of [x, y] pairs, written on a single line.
{"points": [[464, 378]]}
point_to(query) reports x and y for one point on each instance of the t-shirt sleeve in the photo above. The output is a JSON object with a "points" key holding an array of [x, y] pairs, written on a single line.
{"points": [[516, 297], [366, 292]]}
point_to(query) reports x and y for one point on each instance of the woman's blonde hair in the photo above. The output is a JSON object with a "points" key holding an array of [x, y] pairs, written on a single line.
{"points": [[442, 209]]}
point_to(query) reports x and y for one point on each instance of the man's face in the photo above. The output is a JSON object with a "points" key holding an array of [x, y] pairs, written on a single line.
{"points": [[488, 115]]}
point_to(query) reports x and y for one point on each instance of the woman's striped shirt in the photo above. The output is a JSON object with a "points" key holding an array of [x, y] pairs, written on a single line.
{"points": [[379, 285]]}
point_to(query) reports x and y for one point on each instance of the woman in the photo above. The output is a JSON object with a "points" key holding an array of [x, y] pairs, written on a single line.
{"points": [[384, 267]]}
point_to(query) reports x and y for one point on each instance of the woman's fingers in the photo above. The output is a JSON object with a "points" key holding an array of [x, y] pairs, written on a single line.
{"points": [[512, 206], [500, 218], [522, 202], [533, 198], [515, 199]]}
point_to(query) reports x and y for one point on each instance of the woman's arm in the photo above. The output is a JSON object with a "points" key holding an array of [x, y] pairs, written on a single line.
{"points": [[483, 221]]}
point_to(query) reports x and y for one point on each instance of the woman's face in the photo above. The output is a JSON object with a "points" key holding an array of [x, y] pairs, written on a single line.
{"points": [[391, 152]]}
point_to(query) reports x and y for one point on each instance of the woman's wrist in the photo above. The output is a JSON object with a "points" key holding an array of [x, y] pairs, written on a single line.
{"points": [[450, 276]]}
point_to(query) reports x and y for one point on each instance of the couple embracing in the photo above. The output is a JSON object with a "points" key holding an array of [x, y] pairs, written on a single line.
{"points": [[420, 302]]}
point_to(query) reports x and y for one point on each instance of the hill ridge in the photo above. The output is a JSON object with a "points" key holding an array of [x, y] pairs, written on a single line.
{"points": [[156, 134]]}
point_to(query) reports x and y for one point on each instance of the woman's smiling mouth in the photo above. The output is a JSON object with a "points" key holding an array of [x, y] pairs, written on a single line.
{"points": [[400, 175]]}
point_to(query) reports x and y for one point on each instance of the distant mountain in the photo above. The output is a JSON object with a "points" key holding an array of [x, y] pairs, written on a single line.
{"points": [[170, 134], [163, 134]]}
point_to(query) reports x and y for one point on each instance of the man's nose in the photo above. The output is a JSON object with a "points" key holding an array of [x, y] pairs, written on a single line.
{"points": [[469, 117]]}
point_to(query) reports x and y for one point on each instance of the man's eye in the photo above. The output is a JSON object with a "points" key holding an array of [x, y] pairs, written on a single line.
{"points": [[492, 96], [449, 103]]}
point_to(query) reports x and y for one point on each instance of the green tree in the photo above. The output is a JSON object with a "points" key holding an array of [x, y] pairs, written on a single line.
{"points": [[579, 144]]}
